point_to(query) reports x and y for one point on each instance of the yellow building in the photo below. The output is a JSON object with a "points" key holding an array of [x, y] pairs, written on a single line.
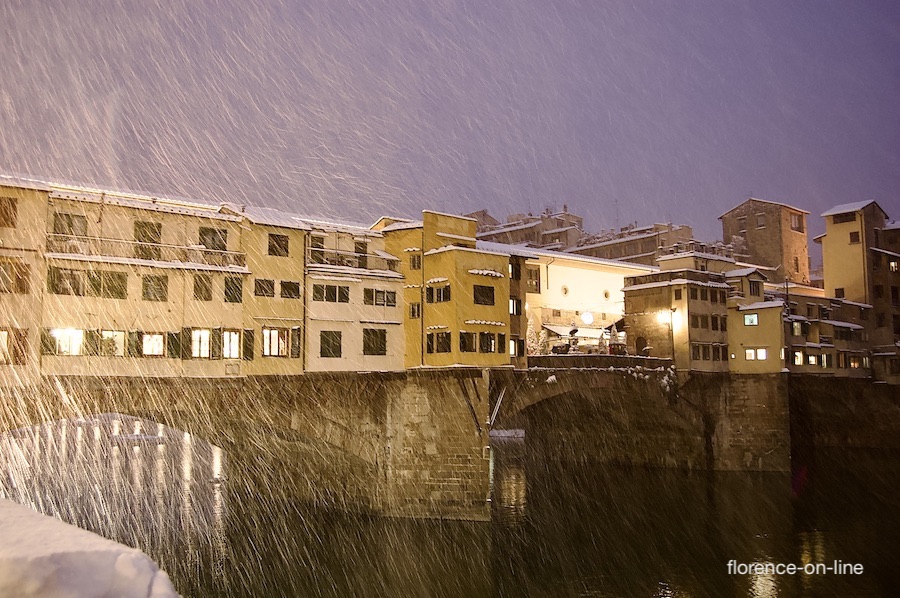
{"points": [[756, 337], [456, 296]]}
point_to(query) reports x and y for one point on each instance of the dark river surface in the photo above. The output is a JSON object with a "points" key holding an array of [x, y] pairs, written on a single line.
{"points": [[558, 530]]}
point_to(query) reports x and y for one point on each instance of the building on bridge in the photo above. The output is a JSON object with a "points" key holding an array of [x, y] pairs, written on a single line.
{"points": [[861, 258], [456, 295]]}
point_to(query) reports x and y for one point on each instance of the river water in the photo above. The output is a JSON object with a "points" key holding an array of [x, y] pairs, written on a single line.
{"points": [[558, 529]]}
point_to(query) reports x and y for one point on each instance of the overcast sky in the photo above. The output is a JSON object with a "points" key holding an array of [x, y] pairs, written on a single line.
{"points": [[626, 111]]}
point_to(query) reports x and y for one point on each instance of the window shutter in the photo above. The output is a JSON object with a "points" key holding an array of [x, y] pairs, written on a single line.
{"points": [[20, 346], [21, 282], [247, 348], [92, 342], [48, 343], [173, 345], [295, 342], [215, 344], [185, 343], [134, 348], [429, 294]]}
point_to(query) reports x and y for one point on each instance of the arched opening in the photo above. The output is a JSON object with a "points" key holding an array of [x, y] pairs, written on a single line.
{"points": [[640, 343]]}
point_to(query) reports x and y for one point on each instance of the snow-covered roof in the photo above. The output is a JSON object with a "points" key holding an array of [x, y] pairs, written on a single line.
{"points": [[449, 215], [268, 216], [700, 254], [436, 280], [856, 303], [536, 253], [351, 271], [885, 252], [458, 248], [850, 207], [559, 230], [493, 273], [509, 229], [892, 225], [756, 199], [760, 305], [676, 281], [385, 255], [131, 261], [146, 203], [24, 183], [456, 237], [742, 272], [841, 324], [485, 323], [403, 225]]}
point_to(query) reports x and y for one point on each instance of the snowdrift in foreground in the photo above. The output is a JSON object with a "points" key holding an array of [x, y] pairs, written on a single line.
{"points": [[42, 556]]}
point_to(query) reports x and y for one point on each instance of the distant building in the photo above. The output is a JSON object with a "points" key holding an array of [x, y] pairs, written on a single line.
{"points": [[550, 230], [641, 245], [772, 234], [861, 258]]}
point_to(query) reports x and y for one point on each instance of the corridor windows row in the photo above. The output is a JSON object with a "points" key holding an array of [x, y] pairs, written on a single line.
{"points": [[203, 288], [331, 293], [709, 352], [704, 294], [289, 289], [487, 342], [709, 322], [374, 342], [379, 297], [92, 283]]}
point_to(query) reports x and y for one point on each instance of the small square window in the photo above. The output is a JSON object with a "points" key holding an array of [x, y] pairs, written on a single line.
{"points": [[854, 236], [233, 289], [751, 319], [265, 288], [677, 294], [290, 289], [278, 245], [155, 288]]}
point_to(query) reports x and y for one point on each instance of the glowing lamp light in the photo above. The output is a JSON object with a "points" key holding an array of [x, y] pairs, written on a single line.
{"points": [[588, 318], [663, 317]]}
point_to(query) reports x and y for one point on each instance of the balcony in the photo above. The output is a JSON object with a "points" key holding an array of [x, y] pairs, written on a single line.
{"points": [[157, 252], [350, 259]]}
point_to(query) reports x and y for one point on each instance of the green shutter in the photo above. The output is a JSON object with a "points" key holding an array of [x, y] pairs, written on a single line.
{"points": [[48, 343], [186, 343], [173, 345], [247, 348], [134, 347], [92, 342], [215, 343], [295, 342]]}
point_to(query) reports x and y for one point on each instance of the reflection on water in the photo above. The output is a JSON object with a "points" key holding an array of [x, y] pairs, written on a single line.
{"points": [[558, 529]]}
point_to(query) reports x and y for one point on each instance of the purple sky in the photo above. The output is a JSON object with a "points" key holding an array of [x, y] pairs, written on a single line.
{"points": [[626, 111]]}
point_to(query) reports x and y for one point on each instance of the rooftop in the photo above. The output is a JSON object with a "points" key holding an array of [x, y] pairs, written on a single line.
{"points": [[756, 199]]}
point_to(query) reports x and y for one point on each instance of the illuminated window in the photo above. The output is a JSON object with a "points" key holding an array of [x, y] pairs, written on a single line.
{"points": [[894, 265], [751, 319], [112, 343], [761, 354], [231, 344], [275, 342], [200, 342], [750, 354], [812, 359], [152, 344], [68, 341], [5, 347]]}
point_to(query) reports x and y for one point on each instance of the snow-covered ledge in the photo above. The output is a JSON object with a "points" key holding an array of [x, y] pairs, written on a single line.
{"points": [[42, 556]]}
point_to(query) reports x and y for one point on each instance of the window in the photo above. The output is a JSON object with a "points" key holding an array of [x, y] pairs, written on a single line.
{"points": [[330, 343], [487, 342], [231, 344], [8, 212], [361, 249], [113, 285], [704, 322], [275, 342], [839, 293], [894, 265], [69, 224], [278, 245], [483, 295], [755, 288], [895, 295], [742, 224], [374, 341], [234, 289], [714, 322], [263, 287], [331, 293], [533, 283], [693, 293], [695, 351], [112, 343], [147, 236], [13, 346], [415, 261], [854, 236], [429, 343], [717, 353], [62, 281], [202, 287], [845, 217], [66, 341], [695, 321], [290, 289], [797, 222], [723, 323], [761, 354], [714, 296], [704, 294], [706, 352], [200, 343], [798, 358], [214, 239], [155, 288], [796, 264], [14, 277], [501, 343], [515, 306], [437, 294], [467, 342], [415, 311], [316, 246], [812, 359], [515, 271], [760, 221], [379, 297], [442, 342], [750, 354], [677, 294], [751, 319], [879, 291], [152, 344]]}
